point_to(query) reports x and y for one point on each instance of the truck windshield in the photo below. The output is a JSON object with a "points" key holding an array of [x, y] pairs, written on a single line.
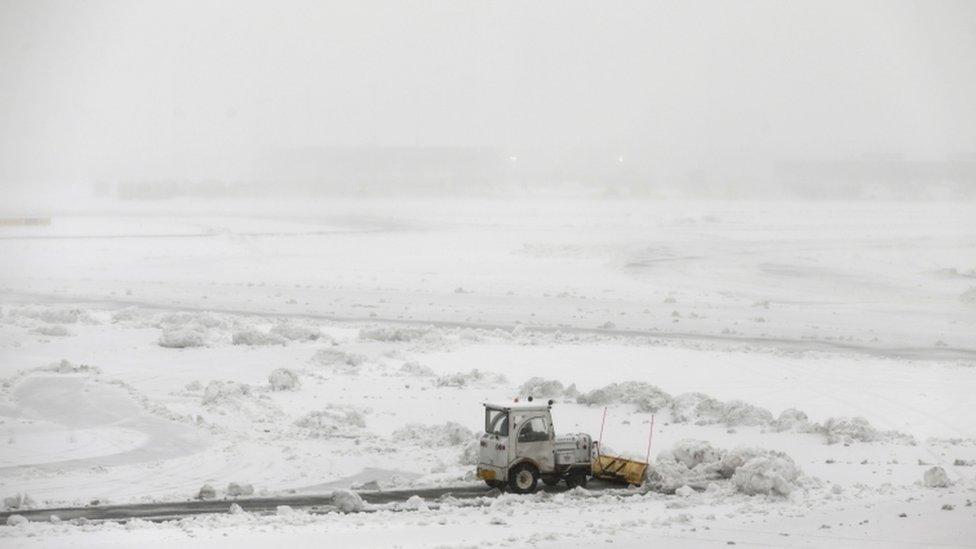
{"points": [[496, 422]]}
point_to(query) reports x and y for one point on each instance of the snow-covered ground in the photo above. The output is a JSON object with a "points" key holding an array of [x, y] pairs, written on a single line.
{"points": [[323, 346]]}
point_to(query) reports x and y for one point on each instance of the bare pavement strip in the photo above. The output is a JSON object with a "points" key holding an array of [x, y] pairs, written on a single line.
{"points": [[314, 503]]}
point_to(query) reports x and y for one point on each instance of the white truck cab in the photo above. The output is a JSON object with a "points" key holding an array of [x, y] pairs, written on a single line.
{"points": [[520, 446]]}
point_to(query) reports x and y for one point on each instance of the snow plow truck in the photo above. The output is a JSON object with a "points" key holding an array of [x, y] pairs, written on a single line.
{"points": [[519, 448]]}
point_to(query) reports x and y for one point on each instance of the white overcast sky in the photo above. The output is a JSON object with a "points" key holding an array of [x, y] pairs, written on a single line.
{"points": [[94, 87]]}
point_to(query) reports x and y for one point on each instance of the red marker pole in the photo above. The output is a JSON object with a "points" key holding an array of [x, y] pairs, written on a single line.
{"points": [[649, 437], [599, 449]]}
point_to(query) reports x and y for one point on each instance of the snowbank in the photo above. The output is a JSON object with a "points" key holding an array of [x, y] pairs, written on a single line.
{"points": [[752, 470], [969, 296], [218, 392], [338, 361], [181, 338], [332, 421], [348, 501], [546, 388], [293, 331], [647, 397], [772, 474], [283, 379], [235, 489], [416, 369], [394, 333], [255, 337], [472, 377], [55, 315], [444, 434], [54, 330], [936, 477]]}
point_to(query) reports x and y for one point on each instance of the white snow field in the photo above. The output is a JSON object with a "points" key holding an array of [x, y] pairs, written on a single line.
{"points": [[806, 364]]}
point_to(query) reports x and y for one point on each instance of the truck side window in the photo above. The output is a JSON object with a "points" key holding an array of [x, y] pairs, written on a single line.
{"points": [[534, 431]]}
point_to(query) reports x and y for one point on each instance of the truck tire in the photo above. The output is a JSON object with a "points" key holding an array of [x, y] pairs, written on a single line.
{"points": [[575, 479], [523, 479]]}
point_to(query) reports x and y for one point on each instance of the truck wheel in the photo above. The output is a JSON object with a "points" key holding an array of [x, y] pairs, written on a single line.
{"points": [[576, 479], [523, 479], [550, 480]]}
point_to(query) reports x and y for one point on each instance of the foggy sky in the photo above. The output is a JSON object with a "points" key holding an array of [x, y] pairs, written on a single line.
{"points": [[98, 89]]}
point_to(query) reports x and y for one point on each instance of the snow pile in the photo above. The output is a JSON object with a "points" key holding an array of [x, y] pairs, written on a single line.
{"points": [[545, 388], [394, 334], [207, 492], [331, 421], [283, 379], [647, 397], [751, 470], [969, 296], [847, 430], [737, 412], [694, 407], [694, 453], [18, 501], [348, 501], [705, 410], [219, 392], [55, 315], [235, 489], [771, 474], [54, 330], [190, 320], [444, 434], [294, 331], [470, 454], [66, 367], [181, 338], [936, 477], [256, 337], [338, 361], [416, 369], [792, 419], [473, 377]]}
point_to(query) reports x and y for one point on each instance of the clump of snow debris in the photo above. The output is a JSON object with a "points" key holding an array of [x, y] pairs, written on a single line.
{"points": [[737, 412], [55, 315], [221, 391], [752, 470], [206, 492], [64, 366], [544, 388], [444, 434], [235, 489], [472, 377], [936, 477], [772, 474], [348, 501], [18, 501], [416, 369], [255, 337], [847, 430], [647, 397], [183, 337], [969, 296], [694, 407], [397, 334], [792, 419], [293, 331], [54, 330], [338, 361], [16, 520], [283, 379], [331, 421]]}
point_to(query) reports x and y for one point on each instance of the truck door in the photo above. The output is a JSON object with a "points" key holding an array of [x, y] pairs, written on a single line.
{"points": [[535, 441]]}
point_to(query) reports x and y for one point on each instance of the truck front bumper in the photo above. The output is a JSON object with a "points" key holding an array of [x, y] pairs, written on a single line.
{"points": [[490, 472]]}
